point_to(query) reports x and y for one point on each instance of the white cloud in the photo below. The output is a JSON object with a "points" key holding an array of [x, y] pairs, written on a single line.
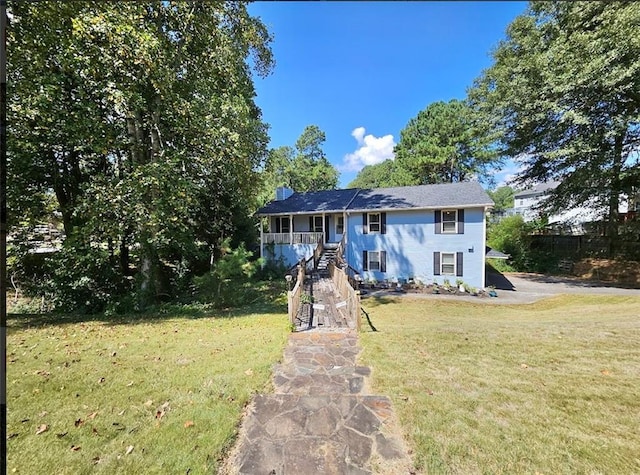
{"points": [[371, 150]]}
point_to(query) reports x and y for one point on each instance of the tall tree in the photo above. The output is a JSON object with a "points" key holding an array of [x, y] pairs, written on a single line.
{"points": [[140, 117], [381, 175], [446, 143], [564, 96], [303, 168], [502, 197]]}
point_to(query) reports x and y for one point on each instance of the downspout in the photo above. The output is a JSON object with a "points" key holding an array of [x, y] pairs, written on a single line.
{"points": [[484, 246]]}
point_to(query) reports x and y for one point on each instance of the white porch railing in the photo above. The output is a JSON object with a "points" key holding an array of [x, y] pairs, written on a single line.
{"points": [[292, 238]]}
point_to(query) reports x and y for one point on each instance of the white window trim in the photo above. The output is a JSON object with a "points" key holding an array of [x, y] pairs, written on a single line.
{"points": [[379, 223], [455, 221], [442, 264], [369, 253], [338, 218]]}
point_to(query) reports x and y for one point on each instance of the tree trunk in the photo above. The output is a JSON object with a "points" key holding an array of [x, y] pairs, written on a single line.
{"points": [[614, 187]]}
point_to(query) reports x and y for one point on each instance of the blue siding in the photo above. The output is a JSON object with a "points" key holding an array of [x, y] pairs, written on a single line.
{"points": [[291, 254], [410, 242]]}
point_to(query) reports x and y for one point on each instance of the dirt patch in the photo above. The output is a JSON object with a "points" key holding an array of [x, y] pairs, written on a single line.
{"points": [[625, 273]]}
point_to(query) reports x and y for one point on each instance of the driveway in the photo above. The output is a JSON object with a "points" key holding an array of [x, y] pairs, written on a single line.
{"points": [[518, 287]]}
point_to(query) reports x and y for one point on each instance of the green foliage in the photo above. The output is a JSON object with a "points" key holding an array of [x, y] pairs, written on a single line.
{"points": [[446, 143], [502, 197], [303, 168], [82, 278], [140, 119], [562, 95], [386, 174], [230, 282], [512, 235]]}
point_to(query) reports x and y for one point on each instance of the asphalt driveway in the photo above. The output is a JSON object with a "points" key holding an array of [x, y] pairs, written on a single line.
{"points": [[518, 287], [526, 288]]}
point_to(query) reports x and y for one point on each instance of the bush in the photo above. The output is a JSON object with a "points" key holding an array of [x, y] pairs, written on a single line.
{"points": [[513, 236], [83, 279], [230, 282]]}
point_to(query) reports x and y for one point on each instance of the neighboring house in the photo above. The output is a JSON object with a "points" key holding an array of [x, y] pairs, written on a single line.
{"points": [[571, 221], [421, 232]]}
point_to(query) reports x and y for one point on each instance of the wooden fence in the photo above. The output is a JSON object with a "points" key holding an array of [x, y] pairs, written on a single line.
{"points": [[347, 293], [294, 295], [586, 246]]}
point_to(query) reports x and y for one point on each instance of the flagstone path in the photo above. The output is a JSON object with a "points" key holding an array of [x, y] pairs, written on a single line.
{"points": [[321, 418]]}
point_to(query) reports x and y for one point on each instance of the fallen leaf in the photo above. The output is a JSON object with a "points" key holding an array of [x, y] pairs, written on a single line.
{"points": [[130, 384], [249, 372], [43, 413], [94, 431], [148, 403], [101, 380], [121, 413], [75, 448], [61, 435], [11, 436], [42, 428], [524, 366], [129, 450], [113, 354], [78, 422], [96, 460], [605, 372], [92, 415], [189, 424]]}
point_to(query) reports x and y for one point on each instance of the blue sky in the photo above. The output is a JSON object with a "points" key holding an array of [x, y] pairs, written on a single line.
{"points": [[361, 70]]}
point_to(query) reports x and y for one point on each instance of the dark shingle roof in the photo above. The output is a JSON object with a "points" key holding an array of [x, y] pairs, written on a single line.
{"points": [[403, 197], [327, 200], [424, 196]]}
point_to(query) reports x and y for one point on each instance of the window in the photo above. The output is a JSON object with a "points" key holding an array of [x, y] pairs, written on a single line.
{"points": [[449, 220], [317, 224], [340, 225], [374, 222], [447, 263], [283, 225], [374, 260]]}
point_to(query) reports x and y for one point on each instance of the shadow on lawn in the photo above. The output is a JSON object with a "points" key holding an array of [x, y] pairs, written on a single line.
{"points": [[267, 304]]}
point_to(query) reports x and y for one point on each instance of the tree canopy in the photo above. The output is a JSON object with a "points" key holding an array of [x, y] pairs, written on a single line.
{"points": [[303, 168], [139, 118], [563, 95], [444, 143]]}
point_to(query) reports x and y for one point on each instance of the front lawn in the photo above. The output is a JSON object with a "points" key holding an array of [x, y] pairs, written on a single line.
{"points": [[551, 387], [159, 395]]}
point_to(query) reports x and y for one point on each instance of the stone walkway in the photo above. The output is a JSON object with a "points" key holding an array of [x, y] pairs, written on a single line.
{"points": [[321, 419]]}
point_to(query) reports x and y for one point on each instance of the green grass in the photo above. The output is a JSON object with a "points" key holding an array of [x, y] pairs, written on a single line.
{"points": [[140, 395], [552, 387]]}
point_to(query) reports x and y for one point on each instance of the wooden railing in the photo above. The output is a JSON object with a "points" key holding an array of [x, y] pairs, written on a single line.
{"points": [[294, 295], [317, 253], [291, 238], [347, 293]]}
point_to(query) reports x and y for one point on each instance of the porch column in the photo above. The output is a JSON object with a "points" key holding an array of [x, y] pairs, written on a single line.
{"points": [[324, 231], [261, 241], [290, 229]]}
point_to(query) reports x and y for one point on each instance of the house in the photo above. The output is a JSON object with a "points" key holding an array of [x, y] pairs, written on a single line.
{"points": [[572, 220], [426, 233]]}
